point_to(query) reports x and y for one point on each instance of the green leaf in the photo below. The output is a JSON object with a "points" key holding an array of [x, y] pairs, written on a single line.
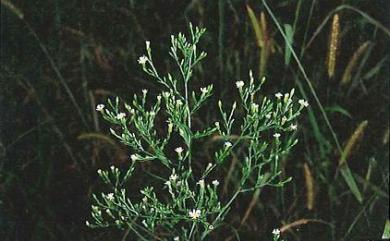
{"points": [[348, 177], [288, 30], [386, 231], [338, 109]]}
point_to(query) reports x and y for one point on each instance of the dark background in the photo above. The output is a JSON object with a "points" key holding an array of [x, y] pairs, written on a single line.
{"points": [[64, 56]]}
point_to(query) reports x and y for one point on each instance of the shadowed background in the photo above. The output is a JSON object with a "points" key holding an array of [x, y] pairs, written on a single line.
{"points": [[60, 58]]}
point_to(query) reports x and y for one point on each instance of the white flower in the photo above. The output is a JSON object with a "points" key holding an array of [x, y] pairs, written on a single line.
{"points": [[176, 238], [203, 90], [147, 43], [209, 166], [293, 127], [216, 124], [179, 150], [179, 102], [276, 232], [201, 182], [240, 84], [99, 171], [110, 196], [100, 107], [134, 157], [120, 116], [144, 91], [211, 227], [194, 214], [143, 59], [303, 103], [228, 144], [278, 95], [173, 177], [87, 223], [158, 97], [215, 182], [276, 135]]}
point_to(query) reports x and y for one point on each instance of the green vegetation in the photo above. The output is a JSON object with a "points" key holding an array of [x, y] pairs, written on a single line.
{"points": [[60, 59]]}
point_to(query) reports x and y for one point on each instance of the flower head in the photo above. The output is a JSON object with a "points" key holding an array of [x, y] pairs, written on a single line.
{"points": [[100, 107], [293, 127], [276, 232], [143, 59], [179, 150], [201, 182], [203, 90], [279, 95], [228, 144], [110, 196], [134, 157], [120, 116], [215, 182], [303, 103], [240, 84], [276, 135], [194, 214]]}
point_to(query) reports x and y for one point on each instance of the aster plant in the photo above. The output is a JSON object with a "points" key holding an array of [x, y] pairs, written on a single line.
{"points": [[258, 131]]}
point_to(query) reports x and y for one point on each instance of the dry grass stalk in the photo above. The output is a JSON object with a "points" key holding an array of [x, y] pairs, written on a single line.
{"points": [[353, 62], [299, 222], [310, 191], [352, 141], [333, 44]]}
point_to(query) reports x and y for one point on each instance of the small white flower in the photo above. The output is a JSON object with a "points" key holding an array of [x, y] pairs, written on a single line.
{"points": [[278, 95], [303, 103], [293, 127], [134, 157], [158, 97], [144, 91], [194, 214], [276, 135], [201, 182], [216, 124], [211, 227], [143, 59], [215, 182], [276, 232], [112, 168], [176, 238], [110, 196], [179, 150], [179, 102], [147, 43], [120, 116], [87, 223], [99, 171], [100, 107], [228, 144], [203, 90], [209, 166], [173, 177], [240, 84], [145, 199]]}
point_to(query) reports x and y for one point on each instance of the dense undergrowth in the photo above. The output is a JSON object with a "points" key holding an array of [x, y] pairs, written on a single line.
{"points": [[59, 59]]}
